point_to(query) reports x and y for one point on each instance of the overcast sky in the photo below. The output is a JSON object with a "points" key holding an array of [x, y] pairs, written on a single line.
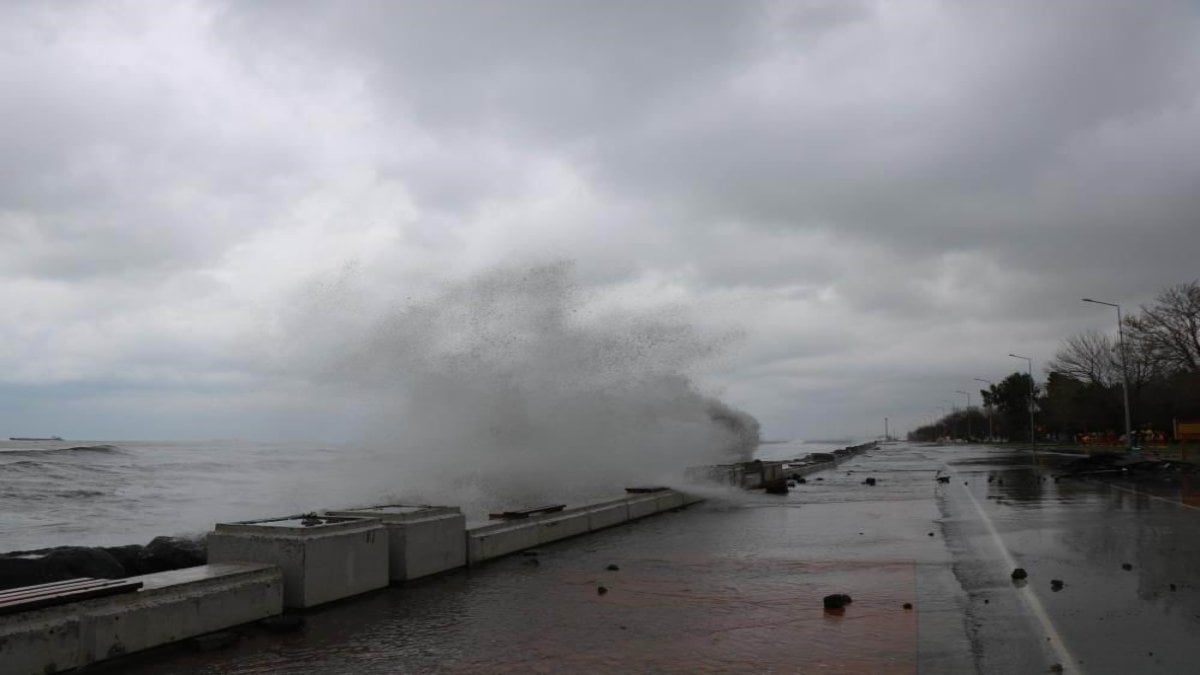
{"points": [[872, 203]]}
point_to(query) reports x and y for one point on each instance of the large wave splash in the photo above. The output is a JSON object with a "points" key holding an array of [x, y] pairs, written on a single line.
{"points": [[515, 387]]}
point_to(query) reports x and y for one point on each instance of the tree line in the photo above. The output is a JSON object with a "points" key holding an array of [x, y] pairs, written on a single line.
{"points": [[1082, 396]]}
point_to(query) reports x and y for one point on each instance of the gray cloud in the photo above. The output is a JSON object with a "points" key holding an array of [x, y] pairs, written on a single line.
{"points": [[883, 200]]}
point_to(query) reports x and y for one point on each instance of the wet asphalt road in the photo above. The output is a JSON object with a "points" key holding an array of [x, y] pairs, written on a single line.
{"points": [[735, 585]]}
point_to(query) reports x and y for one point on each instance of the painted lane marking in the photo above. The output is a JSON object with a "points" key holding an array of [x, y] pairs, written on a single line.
{"points": [[1026, 593], [1147, 495]]}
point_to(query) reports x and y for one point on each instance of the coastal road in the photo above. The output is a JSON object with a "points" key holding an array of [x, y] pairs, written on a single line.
{"points": [[735, 585]]}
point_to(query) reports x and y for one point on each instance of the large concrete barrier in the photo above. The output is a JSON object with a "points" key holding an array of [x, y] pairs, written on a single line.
{"points": [[322, 559], [569, 523], [642, 505], [493, 540], [607, 513], [422, 540], [486, 541], [170, 606]]}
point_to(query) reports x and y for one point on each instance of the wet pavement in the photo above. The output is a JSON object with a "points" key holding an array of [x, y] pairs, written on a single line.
{"points": [[736, 585]]}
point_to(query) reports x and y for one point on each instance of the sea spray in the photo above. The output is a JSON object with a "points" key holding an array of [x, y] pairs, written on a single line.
{"points": [[513, 388]]}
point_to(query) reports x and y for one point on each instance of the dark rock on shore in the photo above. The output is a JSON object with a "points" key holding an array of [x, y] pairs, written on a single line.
{"points": [[837, 601], [1056, 585], [129, 557], [27, 568], [869, 481], [172, 553], [1019, 574], [58, 564]]}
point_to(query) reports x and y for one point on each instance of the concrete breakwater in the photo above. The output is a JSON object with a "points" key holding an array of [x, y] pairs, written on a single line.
{"points": [[257, 569], [774, 474]]}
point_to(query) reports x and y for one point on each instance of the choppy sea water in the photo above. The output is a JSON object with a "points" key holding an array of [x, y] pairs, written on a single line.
{"points": [[118, 492], [91, 493]]}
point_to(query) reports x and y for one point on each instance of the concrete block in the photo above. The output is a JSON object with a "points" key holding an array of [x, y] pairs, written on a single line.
{"points": [[667, 500], [184, 603], [40, 641], [562, 526], [325, 560], [642, 505], [690, 498], [485, 542], [171, 606], [422, 540], [607, 514]]}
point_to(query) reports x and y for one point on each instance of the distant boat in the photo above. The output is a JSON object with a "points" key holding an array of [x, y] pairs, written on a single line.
{"points": [[31, 438]]}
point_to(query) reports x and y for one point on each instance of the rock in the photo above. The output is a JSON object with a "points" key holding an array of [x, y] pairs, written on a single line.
{"points": [[801, 480], [82, 561], [1056, 585], [129, 557], [612, 568], [172, 553], [284, 623], [1172, 587], [869, 481], [908, 605], [820, 478], [1126, 566], [1019, 574], [601, 590], [16, 572], [931, 534], [214, 641], [791, 484], [837, 601], [943, 479], [1056, 668]]}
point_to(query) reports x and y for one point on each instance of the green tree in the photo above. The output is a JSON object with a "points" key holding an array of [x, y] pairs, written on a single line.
{"points": [[1010, 399]]}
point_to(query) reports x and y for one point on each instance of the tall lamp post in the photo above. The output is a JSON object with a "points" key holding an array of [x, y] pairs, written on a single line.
{"points": [[1124, 370], [968, 395], [1030, 362], [991, 434]]}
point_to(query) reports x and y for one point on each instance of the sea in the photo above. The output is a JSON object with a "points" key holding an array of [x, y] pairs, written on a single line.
{"points": [[108, 493]]}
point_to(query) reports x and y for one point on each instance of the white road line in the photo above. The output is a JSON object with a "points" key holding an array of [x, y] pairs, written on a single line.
{"points": [[1026, 593], [1148, 495]]}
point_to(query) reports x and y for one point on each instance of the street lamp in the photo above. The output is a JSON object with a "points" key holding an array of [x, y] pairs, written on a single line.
{"points": [[991, 435], [1124, 370], [968, 395], [1030, 362]]}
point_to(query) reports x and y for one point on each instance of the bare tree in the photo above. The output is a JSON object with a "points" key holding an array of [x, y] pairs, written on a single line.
{"points": [[1167, 332], [1090, 357]]}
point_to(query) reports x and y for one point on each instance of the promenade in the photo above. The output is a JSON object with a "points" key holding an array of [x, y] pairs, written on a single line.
{"points": [[735, 585]]}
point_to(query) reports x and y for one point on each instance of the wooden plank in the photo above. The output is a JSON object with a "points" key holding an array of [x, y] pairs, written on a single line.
{"points": [[23, 599], [53, 586]]}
